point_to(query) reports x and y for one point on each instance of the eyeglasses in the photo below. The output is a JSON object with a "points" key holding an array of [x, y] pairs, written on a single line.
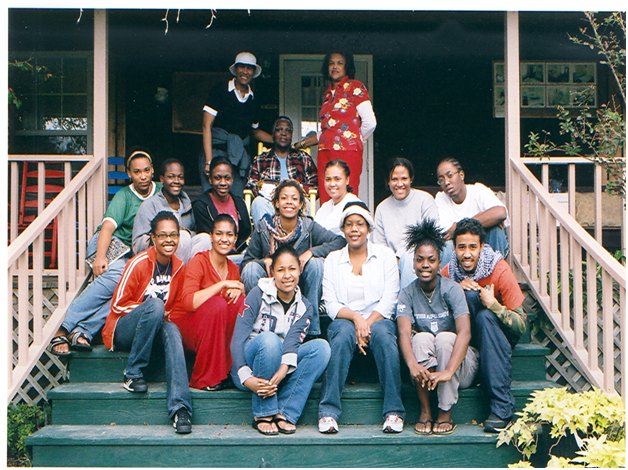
{"points": [[449, 176], [283, 129], [165, 236], [359, 224]]}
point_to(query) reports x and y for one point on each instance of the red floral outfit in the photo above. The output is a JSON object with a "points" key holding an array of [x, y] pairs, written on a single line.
{"points": [[340, 130], [208, 330]]}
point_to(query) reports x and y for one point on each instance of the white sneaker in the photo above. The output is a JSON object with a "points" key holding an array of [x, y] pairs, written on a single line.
{"points": [[327, 426], [393, 423]]}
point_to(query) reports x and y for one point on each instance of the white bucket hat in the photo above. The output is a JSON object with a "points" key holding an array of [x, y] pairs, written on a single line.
{"points": [[246, 58]]}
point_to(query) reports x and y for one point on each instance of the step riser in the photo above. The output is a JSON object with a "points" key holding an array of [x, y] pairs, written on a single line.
{"points": [[112, 370], [275, 454], [137, 410]]}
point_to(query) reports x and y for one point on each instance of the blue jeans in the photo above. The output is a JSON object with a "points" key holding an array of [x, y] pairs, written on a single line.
{"points": [[259, 207], [263, 354], [495, 346], [136, 331], [87, 312], [383, 344], [310, 281], [406, 269]]}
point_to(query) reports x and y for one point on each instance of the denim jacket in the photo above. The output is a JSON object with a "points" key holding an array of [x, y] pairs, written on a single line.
{"points": [[379, 274]]}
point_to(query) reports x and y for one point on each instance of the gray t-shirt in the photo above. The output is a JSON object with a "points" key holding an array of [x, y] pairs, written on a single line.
{"points": [[438, 314]]}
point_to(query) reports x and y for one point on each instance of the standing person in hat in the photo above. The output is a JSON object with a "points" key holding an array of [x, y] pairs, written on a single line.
{"points": [[347, 119], [230, 115]]}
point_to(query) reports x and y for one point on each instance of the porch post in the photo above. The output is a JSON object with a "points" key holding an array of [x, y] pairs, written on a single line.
{"points": [[101, 151], [512, 112]]}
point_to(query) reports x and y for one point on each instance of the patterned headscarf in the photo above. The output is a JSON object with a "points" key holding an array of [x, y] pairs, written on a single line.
{"points": [[278, 236], [487, 261]]}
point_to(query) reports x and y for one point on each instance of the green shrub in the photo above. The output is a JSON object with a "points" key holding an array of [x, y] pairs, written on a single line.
{"points": [[22, 421]]}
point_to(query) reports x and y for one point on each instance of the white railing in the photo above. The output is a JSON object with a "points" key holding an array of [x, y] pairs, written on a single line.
{"points": [[77, 208], [598, 195], [579, 284]]}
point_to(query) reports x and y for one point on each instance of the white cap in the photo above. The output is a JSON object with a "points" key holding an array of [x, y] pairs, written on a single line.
{"points": [[246, 58], [359, 208]]}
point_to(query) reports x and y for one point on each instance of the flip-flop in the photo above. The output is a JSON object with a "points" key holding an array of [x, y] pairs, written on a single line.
{"points": [[57, 341], [283, 430], [444, 433], [74, 343], [265, 433], [424, 423]]}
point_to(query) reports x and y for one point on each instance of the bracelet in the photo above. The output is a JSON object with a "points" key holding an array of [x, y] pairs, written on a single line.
{"points": [[207, 163]]}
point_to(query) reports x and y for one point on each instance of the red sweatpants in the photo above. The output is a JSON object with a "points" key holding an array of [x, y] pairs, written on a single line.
{"points": [[353, 158], [208, 333]]}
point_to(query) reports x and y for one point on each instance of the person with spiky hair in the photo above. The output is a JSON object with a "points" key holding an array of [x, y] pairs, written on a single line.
{"points": [[434, 331]]}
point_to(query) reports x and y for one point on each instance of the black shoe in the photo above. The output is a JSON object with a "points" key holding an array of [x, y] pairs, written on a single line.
{"points": [[135, 385], [182, 423], [495, 424]]}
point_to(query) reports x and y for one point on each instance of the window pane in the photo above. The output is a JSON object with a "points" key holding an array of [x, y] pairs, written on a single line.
{"points": [[47, 107], [75, 106], [75, 76], [42, 145]]}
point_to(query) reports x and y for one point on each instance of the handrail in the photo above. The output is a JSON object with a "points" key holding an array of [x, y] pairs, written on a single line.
{"points": [[583, 294], [77, 208], [29, 235], [580, 234]]}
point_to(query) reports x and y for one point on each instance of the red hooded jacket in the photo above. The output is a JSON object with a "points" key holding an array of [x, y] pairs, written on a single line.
{"points": [[129, 292]]}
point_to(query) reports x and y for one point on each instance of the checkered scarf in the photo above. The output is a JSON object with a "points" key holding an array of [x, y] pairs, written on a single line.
{"points": [[486, 264]]}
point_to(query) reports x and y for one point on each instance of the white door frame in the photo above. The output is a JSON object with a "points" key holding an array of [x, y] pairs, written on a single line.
{"points": [[366, 180]]}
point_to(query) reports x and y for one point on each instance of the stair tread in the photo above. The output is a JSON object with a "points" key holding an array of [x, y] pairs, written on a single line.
{"points": [[157, 390], [221, 435]]}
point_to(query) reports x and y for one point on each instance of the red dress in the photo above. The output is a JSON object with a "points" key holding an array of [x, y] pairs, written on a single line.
{"points": [[340, 131], [208, 330]]}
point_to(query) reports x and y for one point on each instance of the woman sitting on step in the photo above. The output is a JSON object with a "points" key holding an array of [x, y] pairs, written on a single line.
{"points": [[140, 312], [434, 331], [211, 300], [360, 289], [269, 355], [290, 227]]}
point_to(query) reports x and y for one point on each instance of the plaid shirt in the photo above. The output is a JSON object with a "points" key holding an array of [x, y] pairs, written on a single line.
{"points": [[266, 167]]}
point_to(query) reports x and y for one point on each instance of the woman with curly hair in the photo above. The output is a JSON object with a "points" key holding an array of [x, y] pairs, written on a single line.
{"points": [[289, 226], [434, 331]]}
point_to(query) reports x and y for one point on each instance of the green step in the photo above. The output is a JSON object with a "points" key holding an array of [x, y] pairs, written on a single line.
{"points": [[107, 403], [102, 365], [241, 446]]}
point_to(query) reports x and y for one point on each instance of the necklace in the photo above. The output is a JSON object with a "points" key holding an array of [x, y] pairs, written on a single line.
{"points": [[159, 272], [220, 275], [428, 297]]}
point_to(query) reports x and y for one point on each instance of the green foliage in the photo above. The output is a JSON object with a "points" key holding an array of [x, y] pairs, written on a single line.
{"points": [[599, 417], [598, 136], [25, 66], [22, 421]]}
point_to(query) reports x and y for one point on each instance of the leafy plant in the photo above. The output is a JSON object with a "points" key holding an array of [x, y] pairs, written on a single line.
{"points": [[595, 419], [598, 136], [22, 421]]}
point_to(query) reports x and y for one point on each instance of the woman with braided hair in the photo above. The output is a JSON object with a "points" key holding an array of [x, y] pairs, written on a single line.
{"points": [[434, 331]]}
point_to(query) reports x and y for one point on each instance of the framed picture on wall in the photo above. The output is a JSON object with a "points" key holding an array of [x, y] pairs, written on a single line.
{"points": [[532, 96], [546, 85]]}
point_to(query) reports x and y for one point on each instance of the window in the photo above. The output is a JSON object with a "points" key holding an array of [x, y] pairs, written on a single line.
{"points": [[52, 109], [546, 85]]}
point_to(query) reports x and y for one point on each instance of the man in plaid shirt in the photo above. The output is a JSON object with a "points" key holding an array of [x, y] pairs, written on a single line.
{"points": [[282, 162]]}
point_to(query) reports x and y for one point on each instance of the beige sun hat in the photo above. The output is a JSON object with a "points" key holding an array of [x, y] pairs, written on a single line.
{"points": [[246, 58]]}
